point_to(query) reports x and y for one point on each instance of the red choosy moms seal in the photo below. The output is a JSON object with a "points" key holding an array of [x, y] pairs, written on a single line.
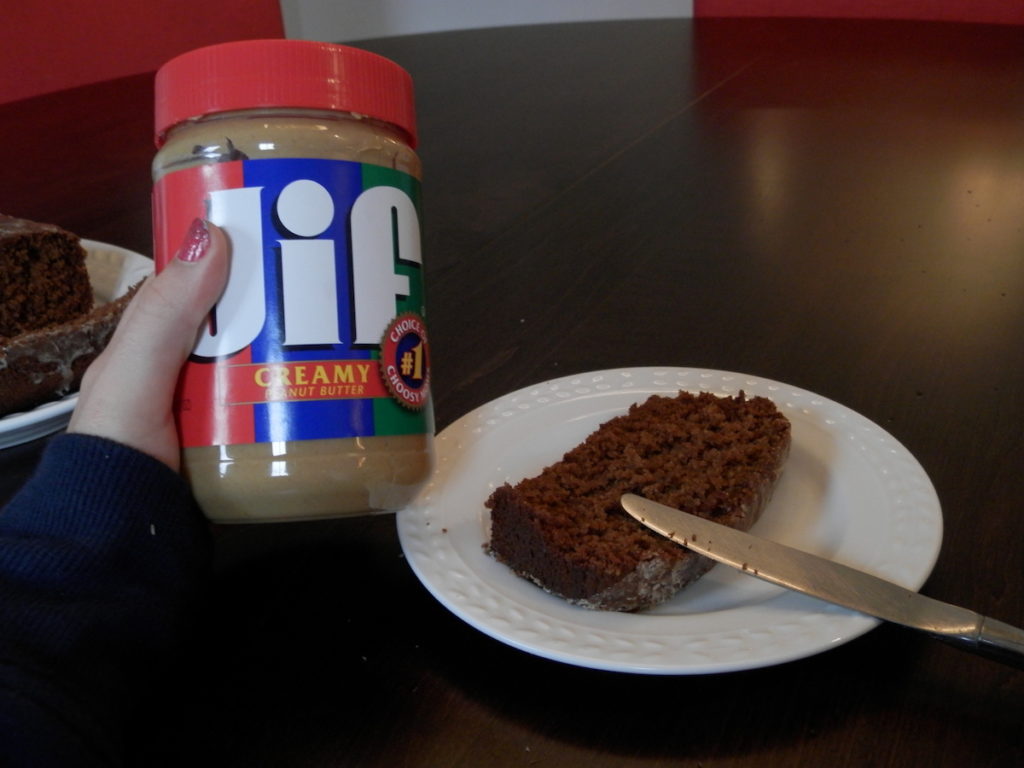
{"points": [[405, 361]]}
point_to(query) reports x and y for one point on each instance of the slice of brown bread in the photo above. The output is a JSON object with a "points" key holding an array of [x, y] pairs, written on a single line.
{"points": [[43, 279], [718, 457]]}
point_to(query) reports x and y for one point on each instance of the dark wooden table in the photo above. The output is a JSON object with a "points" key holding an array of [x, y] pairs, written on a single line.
{"points": [[835, 205]]}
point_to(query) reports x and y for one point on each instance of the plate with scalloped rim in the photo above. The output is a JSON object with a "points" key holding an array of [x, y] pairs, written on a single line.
{"points": [[849, 491], [112, 271]]}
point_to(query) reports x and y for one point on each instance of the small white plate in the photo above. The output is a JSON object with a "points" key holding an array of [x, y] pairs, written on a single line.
{"points": [[849, 492], [112, 271]]}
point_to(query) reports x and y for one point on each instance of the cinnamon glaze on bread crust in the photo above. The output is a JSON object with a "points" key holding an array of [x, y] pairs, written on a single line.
{"points": [[717, 457], [47, 364]]}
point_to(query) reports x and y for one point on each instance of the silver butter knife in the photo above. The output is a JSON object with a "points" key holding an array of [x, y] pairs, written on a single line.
{"points": [[832, 582]]}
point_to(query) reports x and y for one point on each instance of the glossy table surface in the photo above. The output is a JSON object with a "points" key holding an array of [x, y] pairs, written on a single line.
{"points": [[834, 205]]}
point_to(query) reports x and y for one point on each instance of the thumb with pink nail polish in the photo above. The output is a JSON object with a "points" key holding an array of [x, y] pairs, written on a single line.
{"points": [[127, 392]]}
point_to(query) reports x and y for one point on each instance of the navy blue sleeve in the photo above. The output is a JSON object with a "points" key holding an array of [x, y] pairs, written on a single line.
{"points": [[103, 557]]}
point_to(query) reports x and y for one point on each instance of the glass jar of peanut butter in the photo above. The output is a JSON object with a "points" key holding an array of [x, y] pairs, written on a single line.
{"points": [[307, 392]]}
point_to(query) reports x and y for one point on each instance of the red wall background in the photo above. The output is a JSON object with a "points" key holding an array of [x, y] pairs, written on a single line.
{"points": [[47, 46], [977, 11]]}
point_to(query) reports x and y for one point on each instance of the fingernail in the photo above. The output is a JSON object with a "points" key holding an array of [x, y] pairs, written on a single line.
{"points": [[196, 243]]}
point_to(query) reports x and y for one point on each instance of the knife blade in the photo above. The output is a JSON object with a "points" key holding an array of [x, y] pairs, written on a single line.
{"points": [[831, 581]]}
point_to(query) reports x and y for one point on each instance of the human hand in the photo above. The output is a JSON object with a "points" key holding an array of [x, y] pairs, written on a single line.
{"points": [[127, 392]]}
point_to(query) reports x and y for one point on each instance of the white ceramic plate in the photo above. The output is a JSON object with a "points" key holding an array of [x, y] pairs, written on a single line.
{"points": [[849, 492], [112, 271]]}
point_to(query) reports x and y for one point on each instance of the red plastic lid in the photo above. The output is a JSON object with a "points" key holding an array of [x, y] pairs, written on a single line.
{"points": [[304, 74]]}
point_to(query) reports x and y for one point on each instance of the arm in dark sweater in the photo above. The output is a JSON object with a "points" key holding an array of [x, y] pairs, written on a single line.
{"points": [[103, 555]]}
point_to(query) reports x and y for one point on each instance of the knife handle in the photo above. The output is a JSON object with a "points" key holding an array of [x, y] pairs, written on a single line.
{"points": [[993, 639]]}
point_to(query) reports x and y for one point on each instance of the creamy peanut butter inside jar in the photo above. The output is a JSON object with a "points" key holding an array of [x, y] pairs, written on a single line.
{"points": [[307, 394]]}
